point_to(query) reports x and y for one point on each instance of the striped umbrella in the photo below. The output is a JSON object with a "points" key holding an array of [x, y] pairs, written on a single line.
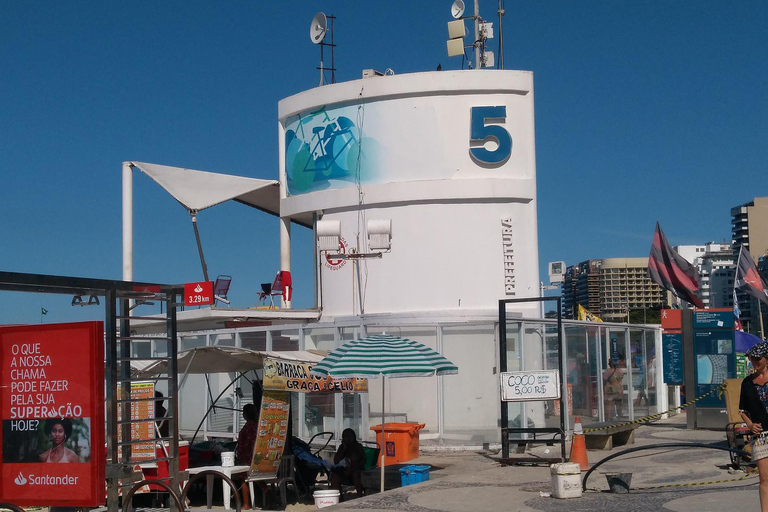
{"points": [[386, 356]]}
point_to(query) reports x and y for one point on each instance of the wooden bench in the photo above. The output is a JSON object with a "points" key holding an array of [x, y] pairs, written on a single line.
{"points": [[609, 435]]}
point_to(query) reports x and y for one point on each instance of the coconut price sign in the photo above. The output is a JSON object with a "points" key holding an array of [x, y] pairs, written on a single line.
{"points": [[533, 385]]}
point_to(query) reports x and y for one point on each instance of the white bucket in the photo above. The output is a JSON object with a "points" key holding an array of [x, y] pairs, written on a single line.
{"points": [[566, 480], [227, 459], [326, 498]]}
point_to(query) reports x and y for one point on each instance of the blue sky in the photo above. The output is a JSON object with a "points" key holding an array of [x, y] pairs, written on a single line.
{"points": [[645, 111]]}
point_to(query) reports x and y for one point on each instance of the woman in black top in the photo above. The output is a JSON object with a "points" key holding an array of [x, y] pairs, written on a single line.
{"points": [[753, 408]]}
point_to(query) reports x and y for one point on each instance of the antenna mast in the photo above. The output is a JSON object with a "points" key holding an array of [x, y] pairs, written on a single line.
{"points": [[317, 31]]}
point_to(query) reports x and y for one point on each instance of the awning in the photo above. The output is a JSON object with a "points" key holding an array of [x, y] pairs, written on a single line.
{"points": [[228, 360], [198, 190]]}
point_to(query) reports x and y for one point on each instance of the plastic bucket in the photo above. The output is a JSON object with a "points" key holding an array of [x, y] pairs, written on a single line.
{"points": [[227, 459], [566, 480], [326, 498], [619, 482]]}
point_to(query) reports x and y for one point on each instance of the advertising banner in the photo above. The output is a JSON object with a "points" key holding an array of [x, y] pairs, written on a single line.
{"points": [[273, 428], [296, 376], [52, 396], [140, 410]]}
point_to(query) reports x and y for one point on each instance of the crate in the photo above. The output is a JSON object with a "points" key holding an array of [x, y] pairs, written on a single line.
{"points": [[401, 443], [413, 474]]}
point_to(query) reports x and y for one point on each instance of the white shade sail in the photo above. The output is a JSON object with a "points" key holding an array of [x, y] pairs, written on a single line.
{"points": [[198, 190]]}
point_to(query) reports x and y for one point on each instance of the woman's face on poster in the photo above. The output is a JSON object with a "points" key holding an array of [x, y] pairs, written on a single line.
{"points": [[58, 435]]}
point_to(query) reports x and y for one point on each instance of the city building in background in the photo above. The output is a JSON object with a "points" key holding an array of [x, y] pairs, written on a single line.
{"points": [[715, 264], [611, 288], [581, 285], [749, 228]]}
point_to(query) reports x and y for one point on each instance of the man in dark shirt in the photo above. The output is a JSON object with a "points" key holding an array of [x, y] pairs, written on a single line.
{"points": [[349, 462]]}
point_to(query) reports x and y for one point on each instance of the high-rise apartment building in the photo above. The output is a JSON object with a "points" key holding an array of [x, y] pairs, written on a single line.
{"points": [[610, 288], [749, 228], [581, 285], [715, 264]]}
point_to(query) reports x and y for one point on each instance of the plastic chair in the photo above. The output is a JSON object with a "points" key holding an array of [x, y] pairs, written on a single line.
{"points": [[221, 289], [372, 451], [736, 432], [281, 286], [286, 475]]}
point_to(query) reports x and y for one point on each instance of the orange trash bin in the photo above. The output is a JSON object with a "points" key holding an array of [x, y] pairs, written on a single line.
{"points": [[401, 443]]}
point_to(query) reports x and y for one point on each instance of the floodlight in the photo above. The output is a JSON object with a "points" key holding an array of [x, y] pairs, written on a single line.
{"points": [[328, 235], [379, 234]]}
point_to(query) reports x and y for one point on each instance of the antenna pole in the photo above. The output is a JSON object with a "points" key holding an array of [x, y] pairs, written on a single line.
{"points": [[477, 35], [333, 46], [501, 35], [321, 63]]}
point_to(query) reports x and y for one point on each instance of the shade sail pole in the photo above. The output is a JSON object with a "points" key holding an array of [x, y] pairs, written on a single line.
{"points": [[383, 423], [193, 214]]}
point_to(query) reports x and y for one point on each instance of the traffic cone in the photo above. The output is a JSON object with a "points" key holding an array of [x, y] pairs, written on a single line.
{"points": [[578, 446]]}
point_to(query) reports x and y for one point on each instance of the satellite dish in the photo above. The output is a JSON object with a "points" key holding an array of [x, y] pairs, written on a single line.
{"points": [[319, 27], [457, 9]]}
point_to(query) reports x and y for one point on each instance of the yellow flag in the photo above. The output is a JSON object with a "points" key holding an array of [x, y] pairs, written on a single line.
{"points": [[584, 314]]}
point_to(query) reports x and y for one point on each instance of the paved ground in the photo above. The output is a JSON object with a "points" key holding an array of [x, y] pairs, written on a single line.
{"points": [[477, 482]]}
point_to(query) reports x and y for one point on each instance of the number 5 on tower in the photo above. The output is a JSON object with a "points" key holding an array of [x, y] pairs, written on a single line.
{"points": [[481, 132]]}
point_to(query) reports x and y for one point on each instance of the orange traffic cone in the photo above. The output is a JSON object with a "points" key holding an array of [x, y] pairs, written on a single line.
{"points": [[578, 446]]}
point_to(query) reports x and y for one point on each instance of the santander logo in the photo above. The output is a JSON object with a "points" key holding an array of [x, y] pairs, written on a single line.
{"points": [[198, 288], [20, 480]]}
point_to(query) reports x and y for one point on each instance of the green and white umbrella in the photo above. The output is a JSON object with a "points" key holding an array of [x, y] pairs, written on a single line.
{"points": [[386, 356]]}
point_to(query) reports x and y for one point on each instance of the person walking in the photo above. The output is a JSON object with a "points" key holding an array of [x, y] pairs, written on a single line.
{"points": [[753, 409]]}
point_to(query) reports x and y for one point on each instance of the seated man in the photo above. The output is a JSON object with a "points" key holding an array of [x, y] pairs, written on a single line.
{"points": [[246, 440], [348, 463]]}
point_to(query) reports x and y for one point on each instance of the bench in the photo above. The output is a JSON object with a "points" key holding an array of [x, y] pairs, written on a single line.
{"points": [[609, 435]]}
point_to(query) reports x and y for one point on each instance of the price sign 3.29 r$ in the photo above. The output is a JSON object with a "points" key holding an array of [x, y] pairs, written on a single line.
{"points": [[198, 294], [533, 385]]}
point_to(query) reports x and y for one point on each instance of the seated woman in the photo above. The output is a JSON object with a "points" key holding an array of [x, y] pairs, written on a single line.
{"points": [[348, 463]]}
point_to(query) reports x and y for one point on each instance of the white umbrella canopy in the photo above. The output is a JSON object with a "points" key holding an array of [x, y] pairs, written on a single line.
{"points": [[223, 359], [386, 356]]}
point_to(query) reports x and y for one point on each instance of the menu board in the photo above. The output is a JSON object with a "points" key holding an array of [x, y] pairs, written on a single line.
{"points": [[672, 361], [143, 409], [273, 428], [52, 396]]}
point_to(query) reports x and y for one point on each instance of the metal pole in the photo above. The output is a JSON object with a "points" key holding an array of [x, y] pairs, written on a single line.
{"points": [[285, 252], [383, 423], [477, 34], [193, 213], [502, 369], [564, 384], [501, 13], [111, 377], [689, 367], [127, 221]]}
